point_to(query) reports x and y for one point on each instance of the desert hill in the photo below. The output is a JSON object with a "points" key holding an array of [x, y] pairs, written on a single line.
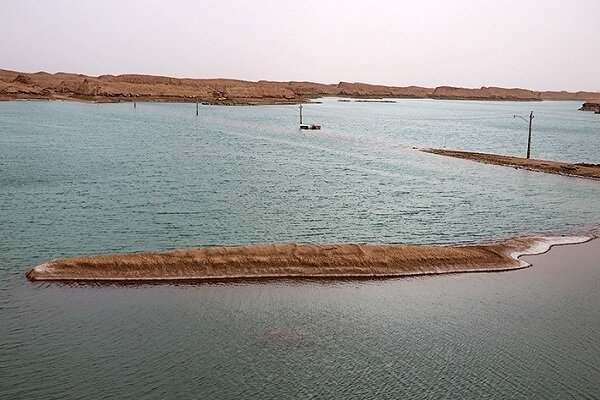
{"points": [[129, 87]]}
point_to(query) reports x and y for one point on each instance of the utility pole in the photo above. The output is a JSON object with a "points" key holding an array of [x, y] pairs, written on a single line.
{"points": [[529, 135], [196, 106], [300, 114]]}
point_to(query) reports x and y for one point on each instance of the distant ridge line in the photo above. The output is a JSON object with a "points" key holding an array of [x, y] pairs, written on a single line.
{"points": [[16, 85]]}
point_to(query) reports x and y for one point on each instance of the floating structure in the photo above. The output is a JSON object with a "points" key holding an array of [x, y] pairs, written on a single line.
{"points": [[304, 126], [311, 127]]}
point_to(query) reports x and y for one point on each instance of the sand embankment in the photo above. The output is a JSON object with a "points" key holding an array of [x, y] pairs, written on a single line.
{"points": [[116, 88], [296, 261], [580, 170]]}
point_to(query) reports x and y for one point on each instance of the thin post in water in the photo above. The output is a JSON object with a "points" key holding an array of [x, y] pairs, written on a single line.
{"points": [[529, 136]]}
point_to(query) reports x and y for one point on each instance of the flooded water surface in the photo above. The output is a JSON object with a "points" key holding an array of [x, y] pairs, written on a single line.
{"points": [[78, 179]]}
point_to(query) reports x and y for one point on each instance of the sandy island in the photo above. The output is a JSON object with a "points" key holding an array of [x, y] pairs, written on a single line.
{"points": [[580, 170], [297, 261]]}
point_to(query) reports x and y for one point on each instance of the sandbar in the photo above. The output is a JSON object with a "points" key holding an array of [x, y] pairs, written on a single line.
{"points": [[579, 170], [278, 261]]}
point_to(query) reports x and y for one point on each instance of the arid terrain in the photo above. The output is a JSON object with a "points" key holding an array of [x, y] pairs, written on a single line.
{"points": [[110, 88], [580, 170]]}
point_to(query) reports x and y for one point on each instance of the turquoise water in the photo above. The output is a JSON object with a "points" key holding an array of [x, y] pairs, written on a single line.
{"points": [[86, 178]]}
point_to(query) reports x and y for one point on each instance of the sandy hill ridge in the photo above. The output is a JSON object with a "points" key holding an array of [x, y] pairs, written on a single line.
{"points": [[115, 88]]}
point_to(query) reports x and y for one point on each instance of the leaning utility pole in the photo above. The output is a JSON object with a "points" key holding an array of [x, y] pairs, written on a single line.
{"points": [[529, 136]]}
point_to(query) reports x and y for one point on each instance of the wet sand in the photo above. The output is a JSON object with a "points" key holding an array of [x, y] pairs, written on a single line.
{"points": [[276, 261], [580, 170]]}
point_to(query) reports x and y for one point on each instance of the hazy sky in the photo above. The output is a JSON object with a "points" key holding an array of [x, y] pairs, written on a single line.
{"points": [[534, 44]]}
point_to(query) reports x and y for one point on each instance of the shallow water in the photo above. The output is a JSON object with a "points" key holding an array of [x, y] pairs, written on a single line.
{"points": [[85, 178]]}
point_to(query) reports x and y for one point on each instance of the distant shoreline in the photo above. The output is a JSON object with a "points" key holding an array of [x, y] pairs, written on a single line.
{"points": [[16, 85], [578, 170], [298, 261]]}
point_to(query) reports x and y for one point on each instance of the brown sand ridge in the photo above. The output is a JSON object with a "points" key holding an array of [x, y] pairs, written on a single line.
{"points": [[580, 170], [287, 261], [131, 87]]}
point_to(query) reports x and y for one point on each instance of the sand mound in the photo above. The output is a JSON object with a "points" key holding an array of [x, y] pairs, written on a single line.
{"points": [[294, 260], [579, 170]]}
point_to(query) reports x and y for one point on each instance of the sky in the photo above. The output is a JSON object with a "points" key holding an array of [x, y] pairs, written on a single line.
{"points": [[541, 45]]}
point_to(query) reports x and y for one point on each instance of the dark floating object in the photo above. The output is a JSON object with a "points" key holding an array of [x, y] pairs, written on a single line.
{"points": [[311, 127]]}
